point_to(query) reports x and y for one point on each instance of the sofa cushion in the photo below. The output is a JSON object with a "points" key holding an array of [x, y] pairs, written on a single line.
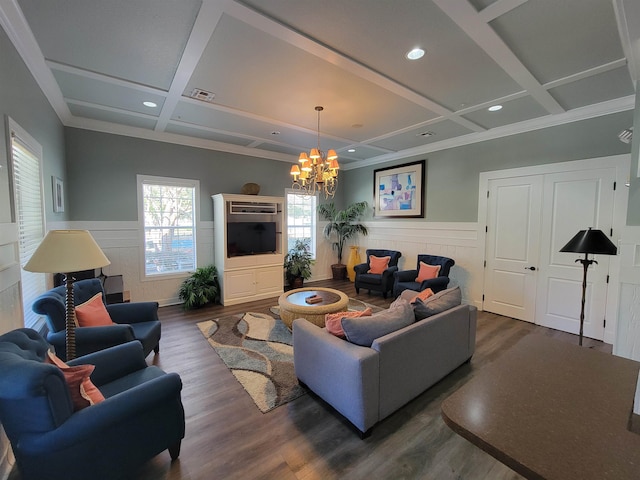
{"points": [[441, 301], [412, 295], [364, 330], [333, 321], [427, 272]]}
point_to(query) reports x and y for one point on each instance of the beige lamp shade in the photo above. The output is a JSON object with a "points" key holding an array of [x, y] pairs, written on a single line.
{"points": [[315, 153], [295, 170], [331, 155], [65, 251], [303, 157]]}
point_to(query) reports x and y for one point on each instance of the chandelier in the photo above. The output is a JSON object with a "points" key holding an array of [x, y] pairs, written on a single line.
{"points": [[317, 172]]}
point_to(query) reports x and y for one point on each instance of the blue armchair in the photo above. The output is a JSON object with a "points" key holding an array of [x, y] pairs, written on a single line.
{"points": [[406, 279], [377, 282], [141, 416], [135, 321]]}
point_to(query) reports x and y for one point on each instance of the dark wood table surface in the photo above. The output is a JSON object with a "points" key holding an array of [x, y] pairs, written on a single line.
{"points": [[552, 410]]}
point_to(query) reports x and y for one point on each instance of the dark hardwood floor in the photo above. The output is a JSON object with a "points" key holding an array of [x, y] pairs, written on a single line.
{"points": [[227, 437]]}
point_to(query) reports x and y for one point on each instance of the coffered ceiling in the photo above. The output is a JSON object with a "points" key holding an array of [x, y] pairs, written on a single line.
{"points": [[268, 63]]}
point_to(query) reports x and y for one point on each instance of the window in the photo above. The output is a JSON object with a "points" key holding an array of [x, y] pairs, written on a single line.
{"points": [[301, 219], [26, 176], [168, 210]]}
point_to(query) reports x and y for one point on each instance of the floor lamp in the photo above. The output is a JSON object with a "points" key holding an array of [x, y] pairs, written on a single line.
{"points": [[588, 241], [67, 251]]}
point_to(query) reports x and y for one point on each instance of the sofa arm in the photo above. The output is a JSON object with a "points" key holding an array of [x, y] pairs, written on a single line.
{"points": [[101, 422], [91, 339], [133, 312], [415, 357], [436, 284], [113, 363], [341, 373], [361, 268], [406, 275]]}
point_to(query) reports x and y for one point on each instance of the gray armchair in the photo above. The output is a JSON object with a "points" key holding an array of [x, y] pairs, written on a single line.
{"points": [[378, 282], [406, 279], [133, 321]]}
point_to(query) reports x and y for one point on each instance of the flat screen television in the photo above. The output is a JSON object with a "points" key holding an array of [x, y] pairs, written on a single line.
{"points": [[250, 238]]}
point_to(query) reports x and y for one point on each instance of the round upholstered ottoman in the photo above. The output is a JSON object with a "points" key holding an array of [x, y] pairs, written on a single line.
{"points": [[293, 305]]}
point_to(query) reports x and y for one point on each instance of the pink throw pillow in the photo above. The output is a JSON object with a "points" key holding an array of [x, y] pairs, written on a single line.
{"points": [[423, 295], [333, 321], [378, 265], [427, 272], [82, 390], [93, 313]]}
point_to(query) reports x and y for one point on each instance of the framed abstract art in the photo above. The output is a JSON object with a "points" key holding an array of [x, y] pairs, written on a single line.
{"points": [[399, 190]]}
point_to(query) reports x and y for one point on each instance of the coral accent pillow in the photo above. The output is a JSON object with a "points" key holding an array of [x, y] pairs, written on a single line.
{"points": [[93, 313], [427, 272], [423, 295], [333, 321], [378, 265], [83, 391]]}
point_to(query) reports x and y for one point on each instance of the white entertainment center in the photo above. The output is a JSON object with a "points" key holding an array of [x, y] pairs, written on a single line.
{"points": [[244, 275]]}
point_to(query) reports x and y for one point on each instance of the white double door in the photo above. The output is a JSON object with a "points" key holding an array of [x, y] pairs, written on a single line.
{"points": [[529, 219]]}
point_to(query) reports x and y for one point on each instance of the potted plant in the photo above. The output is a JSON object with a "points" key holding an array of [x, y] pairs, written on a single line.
{"points": [[297, 264], [343, 225], [200, 288]]}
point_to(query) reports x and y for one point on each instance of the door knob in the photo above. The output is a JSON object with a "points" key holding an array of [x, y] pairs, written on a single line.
{"points": [[533, 269]]}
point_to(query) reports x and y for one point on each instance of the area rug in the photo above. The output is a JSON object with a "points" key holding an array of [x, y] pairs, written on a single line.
{"points": [[258, 349]]}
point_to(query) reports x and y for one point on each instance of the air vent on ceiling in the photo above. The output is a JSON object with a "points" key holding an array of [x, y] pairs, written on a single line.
{"points": [[626, 135], [203, 95]]}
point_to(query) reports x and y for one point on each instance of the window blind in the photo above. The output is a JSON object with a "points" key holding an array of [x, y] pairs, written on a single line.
{"points": [[27, 188]]}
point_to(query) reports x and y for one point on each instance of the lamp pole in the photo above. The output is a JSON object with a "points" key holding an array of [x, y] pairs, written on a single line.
{"points": [[585, 264]]}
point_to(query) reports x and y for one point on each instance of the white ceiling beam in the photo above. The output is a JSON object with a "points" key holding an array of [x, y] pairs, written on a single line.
{"points": [[208, 17], [468, 19], [20, 34], [333, 57], [499, 8]]}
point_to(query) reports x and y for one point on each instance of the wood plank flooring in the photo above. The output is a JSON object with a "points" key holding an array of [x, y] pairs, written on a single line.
{"points": [[227, 437]]}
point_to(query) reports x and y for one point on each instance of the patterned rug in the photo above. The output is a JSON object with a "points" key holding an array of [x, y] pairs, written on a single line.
{"points": [[257, 348]]}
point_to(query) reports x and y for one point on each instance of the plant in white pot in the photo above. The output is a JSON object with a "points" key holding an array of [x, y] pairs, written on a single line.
{"points": [[343, 225]]}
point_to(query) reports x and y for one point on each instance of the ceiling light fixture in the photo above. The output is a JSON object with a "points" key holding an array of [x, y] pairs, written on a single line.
{"points": [[415, 54], [351, 150], [494, 108], [317, 172], [150, 104]]}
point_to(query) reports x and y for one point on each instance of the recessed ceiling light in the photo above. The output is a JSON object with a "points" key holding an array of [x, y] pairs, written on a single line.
{"points": [[495, 108], [415, 54], [275, 132], [425, 134], [150, 104], [351, 150]]}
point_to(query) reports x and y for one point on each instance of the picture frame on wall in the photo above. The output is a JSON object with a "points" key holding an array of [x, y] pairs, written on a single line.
{"points": [[58, 194], [399, 190]]}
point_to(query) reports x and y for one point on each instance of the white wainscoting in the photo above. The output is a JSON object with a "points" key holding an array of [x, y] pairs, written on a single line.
{"points": [[121, 243], [457, 240], [627, 340]]}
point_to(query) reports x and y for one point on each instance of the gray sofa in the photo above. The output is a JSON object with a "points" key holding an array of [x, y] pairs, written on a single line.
{"points": [[367, 384]]}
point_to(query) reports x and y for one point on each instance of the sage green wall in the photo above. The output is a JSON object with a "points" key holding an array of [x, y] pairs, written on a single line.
{"points": [[102, 172], [633, 213], [23, 101], [452, 175]]}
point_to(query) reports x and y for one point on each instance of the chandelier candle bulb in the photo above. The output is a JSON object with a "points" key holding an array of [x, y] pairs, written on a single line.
{"points": [[317, 173]]}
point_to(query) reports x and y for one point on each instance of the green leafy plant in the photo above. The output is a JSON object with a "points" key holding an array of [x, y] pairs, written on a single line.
{"points": [[200, 288], [298, 261], [343, 224]]}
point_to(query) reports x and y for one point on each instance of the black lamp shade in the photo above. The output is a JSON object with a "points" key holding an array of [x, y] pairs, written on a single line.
{"points": [[590, 241]]}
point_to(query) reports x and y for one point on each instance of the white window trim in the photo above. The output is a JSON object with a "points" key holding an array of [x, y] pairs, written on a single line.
{"points": [[314, 230], [140, 179]]}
